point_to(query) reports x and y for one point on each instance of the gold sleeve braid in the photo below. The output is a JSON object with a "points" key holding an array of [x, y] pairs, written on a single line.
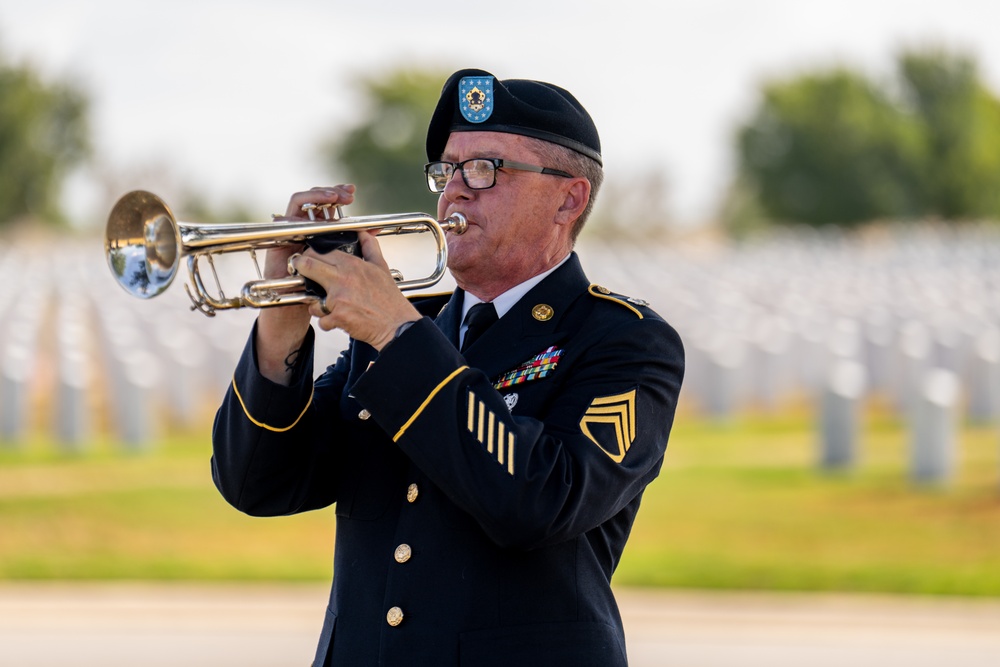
{"points": [[275, 429], [430, 396]]}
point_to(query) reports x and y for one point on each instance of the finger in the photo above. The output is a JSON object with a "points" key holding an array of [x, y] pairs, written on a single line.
{"points": [[340, 195], [315, 269], [323, 313], [325, 309], [276, 259], [336, 257], [316, 197], [308, 264], [371, 250]]}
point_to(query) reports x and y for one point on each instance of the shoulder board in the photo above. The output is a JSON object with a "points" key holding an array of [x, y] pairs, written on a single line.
{"points": [[604, 293]]}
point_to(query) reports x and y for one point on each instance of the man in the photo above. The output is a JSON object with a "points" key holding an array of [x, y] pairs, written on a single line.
{"points": [[483, 496]]}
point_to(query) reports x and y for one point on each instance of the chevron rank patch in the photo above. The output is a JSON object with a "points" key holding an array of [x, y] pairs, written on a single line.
{"points": [[610, 424], [491, 432], [535, 368]]}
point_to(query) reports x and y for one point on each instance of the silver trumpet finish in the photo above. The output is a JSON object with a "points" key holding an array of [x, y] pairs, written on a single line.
{"points": [[144, 244]]}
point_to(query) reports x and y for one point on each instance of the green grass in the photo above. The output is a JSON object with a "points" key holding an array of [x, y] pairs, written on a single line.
{"points": [[737, 506], [144, 516], [743, 506]]}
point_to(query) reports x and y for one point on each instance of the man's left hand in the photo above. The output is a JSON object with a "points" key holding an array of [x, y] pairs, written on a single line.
{"points": [[361, 296]]}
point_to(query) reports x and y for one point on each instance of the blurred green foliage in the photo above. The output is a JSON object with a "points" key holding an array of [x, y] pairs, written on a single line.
{"points": [[838, 147], [43, 134], [384, 155], [960, 122]]}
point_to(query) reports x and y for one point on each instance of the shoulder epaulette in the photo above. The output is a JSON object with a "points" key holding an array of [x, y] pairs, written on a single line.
{"points": [[602, 292]]}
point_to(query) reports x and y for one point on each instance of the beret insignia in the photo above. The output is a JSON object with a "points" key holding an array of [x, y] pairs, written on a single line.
{"points": [[475, 98], [535, 368]]}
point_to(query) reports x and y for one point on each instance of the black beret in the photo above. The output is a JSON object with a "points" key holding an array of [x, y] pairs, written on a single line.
{"points": [[474, 100]]}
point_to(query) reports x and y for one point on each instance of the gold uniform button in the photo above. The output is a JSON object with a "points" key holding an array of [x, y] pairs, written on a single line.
{"points": [[403, 553], [394, 616], [364, 414], [602, 289], [412, 491]]}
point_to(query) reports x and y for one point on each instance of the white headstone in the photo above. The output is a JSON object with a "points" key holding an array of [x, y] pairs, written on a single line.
{"points": [[934, 429], [840, 418]]}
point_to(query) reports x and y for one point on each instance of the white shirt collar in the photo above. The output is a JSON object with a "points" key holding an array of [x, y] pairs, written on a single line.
{"points": [[506, 301]]}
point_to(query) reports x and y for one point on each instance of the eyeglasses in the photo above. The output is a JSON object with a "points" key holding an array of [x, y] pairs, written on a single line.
{"points": [[479, 173]]}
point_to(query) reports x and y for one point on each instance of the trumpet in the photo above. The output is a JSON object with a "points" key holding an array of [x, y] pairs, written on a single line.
{"points": [[144, 244]]}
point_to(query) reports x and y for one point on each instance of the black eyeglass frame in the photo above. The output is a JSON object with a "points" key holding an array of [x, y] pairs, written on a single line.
{"points": [[498, 163]]}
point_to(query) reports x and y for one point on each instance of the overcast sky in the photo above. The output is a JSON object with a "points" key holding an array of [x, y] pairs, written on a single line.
{"points": [[234, 96]]}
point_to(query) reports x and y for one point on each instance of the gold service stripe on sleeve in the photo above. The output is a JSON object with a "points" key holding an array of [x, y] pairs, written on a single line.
{"points": [[472, 412], [489, 432], [510, 453]]}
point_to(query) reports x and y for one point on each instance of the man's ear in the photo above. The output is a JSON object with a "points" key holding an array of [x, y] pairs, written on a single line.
{"points": [[576, 193]]}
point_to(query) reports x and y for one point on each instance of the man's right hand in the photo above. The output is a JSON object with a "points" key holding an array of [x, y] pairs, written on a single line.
{"points": [[281, 331]]}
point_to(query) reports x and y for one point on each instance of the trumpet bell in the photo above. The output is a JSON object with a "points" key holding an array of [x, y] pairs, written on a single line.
{"points": [[142, 244]]}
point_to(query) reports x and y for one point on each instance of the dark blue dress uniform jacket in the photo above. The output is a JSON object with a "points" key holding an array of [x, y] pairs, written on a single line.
{"points": [[475, 525]]}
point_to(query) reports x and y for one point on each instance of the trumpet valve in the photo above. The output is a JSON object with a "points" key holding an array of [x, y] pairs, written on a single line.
{"points": [[329, 211]]}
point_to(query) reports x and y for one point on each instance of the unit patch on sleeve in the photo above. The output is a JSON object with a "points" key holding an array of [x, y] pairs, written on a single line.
{"points": [[535, 368], [610, 424]]}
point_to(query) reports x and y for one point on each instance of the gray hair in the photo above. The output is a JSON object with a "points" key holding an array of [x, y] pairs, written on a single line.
{"points": [[578, 164]]}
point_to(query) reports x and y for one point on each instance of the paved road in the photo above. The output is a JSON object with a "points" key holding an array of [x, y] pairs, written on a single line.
{"points": [[102, 625]]}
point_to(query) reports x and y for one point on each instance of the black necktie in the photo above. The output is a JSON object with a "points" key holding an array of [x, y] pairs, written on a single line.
{"points": [[479, 318]]}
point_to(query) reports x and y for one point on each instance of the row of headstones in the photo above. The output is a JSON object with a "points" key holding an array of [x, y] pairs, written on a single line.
{"points": [[157, 352], [761, 348], [933, 423], [728, 371], [749, 344], [153, 362], [22, 311]]}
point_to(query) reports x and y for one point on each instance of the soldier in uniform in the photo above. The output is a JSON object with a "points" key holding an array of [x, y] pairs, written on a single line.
{"points": [[486, 450]]}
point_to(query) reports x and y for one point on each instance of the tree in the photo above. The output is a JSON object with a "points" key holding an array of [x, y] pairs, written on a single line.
{"points": [[43, 133], [837, 147], [960, 121], [384, 155], [830, 148]]}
